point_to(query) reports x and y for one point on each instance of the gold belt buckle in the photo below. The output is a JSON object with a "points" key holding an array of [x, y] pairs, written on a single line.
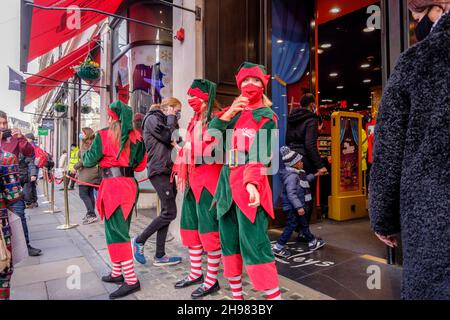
{"points": [[233, 158]]}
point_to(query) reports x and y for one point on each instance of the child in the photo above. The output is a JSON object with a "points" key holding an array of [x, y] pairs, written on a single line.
{"points": [[296, 198]]}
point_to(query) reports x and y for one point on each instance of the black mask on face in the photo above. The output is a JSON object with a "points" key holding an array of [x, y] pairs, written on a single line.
{"points": [[423, 28]]}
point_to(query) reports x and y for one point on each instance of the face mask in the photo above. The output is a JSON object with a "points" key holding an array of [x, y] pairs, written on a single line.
{"points": [[423, 28], [81, 136], [72, 148], [253, 93], [196, 104], [178, 115]]}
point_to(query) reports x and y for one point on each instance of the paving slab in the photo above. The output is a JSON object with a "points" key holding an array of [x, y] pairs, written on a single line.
{"points": [[35, 291], [67, 251], [89, 286], [47, 271]]}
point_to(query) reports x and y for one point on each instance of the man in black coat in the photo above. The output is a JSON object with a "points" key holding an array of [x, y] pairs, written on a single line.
{"points": [[302, 132], [159, 128], [410, 176]]}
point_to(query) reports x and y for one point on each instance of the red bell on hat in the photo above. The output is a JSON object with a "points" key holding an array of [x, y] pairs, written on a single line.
{"points": [[180, 35]]}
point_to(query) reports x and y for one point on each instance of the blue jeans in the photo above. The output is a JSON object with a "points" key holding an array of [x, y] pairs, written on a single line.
{"points": [[293, 220], [18, 208]]}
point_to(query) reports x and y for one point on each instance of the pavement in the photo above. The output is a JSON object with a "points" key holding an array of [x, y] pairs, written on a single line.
{"points": [[74, 260]]}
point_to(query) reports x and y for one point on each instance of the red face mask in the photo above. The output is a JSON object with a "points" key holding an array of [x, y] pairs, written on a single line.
{"points": [[254, 94], [196, 104]]}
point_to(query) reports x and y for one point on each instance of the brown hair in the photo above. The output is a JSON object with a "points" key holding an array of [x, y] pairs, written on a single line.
{"points": [[88, 137], [169, 102], [3, 114]]}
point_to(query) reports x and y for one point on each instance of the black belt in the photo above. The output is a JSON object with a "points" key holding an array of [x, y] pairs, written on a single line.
{"points": [[114, 172]]}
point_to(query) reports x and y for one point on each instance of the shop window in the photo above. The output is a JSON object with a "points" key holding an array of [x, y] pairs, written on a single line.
{"points": [[120, 38]]}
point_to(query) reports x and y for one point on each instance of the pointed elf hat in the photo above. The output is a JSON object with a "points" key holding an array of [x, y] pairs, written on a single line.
{"points": [[205, 90], [123, 113], [249, 69]]}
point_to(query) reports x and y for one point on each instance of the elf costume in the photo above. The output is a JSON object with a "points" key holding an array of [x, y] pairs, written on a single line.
{"points": [[199, 226], [118, 192], [243, 229]]}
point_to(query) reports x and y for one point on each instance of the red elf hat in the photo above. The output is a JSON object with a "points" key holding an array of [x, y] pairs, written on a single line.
{"points": [[249, 69]]}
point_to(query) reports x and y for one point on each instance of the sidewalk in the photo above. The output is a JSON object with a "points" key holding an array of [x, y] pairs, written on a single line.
{"points": [[47, 276]]}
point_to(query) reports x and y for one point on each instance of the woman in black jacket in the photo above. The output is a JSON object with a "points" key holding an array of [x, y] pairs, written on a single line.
{"points": [[302, 132]]}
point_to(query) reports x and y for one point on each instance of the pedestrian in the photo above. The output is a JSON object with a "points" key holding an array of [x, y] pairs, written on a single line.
{"points": [[410, 175], [30, 192], [197, 178], [9, 192], [14, 142], [243, 198], [137, 122], [159, 126], [88, 175], [302, 133], [62, 161], [119, 151], [73, 159], [296, 197]]}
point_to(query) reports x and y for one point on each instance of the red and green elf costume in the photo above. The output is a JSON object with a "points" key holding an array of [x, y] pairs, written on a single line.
{"points": [[243, 229], [198, 179], [118, 195]]}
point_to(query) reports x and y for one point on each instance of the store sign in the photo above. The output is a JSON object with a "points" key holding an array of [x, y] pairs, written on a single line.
{"points": [[48, 124], [42, 132]]}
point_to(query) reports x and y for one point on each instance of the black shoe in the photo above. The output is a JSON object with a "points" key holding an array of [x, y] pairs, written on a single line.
{"points": [[110, 279], [186, 282], [33, 252], [125, 290], [202, 291], [302, 239]]}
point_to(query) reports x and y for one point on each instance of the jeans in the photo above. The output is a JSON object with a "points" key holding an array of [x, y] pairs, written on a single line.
{"points": [[29, 192], [166, 192], [292, 222], [87, 195], [18, 208]]}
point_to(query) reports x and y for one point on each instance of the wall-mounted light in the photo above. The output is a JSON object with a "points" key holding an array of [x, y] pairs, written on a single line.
{"points": [[335, 10]]}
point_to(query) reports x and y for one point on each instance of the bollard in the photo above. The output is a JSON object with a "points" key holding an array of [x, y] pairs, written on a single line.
{"points": [[45, 184], [52, 195], [67, 225]]}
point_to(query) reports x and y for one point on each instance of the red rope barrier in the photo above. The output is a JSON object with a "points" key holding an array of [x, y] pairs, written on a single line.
{"points": [[93, 185]]}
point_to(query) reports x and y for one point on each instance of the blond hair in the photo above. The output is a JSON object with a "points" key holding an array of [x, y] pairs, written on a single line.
{"points": [[169, 102], [115, 132], [267, 102]]}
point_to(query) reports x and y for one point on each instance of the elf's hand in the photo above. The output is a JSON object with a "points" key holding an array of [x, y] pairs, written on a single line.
{"points": [[301, 212], [237, 106], [253, 195]]}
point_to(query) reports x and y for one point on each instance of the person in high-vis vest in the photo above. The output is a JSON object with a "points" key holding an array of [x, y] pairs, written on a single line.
{"points": [[74, 158], [119, 151], [243, 198], [198, 179]]}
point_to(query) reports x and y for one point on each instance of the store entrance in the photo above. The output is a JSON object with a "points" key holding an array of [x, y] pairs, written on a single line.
{"points": [[345, 73]]}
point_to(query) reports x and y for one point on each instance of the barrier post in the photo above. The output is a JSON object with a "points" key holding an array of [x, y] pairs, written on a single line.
{"points": [[53, 209], [45, 182], [67, 225]]}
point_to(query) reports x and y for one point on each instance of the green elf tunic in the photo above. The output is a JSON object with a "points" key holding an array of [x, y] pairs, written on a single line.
{"points": [[243, 229], [199, 225], [117, 196]]}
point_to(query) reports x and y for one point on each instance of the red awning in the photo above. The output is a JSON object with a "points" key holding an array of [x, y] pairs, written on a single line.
{"points": [[50, 28], [52, 76], [324, 6]]}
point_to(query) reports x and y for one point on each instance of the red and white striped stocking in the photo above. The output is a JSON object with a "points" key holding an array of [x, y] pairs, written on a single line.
{"points": [[213, 268], [236, 287], [128, 272], [195, 255], [273, 294], [116, 270]]}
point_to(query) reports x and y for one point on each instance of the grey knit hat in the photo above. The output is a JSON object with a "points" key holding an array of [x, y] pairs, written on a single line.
{"points": [[290, 157]]}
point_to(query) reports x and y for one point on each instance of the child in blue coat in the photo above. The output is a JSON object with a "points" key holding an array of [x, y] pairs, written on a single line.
{"points": [[296, 202]]}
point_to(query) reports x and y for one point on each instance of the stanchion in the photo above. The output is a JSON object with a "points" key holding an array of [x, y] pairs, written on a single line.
{"points": [[45, 182], [53, 209], [67, 225]]}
